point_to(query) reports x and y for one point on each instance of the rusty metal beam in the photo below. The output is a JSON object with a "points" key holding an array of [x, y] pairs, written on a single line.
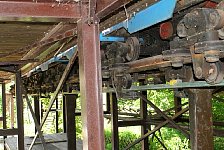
{"points": [[19, 105], [114, 121], [92, 10], [37, 108], [201, 127], [151, 63], [148, 63], [4, 107], [132, 122], [39, 11], [105, 7], [216, 132], [144, 127], [70, 100], [90, 83]]}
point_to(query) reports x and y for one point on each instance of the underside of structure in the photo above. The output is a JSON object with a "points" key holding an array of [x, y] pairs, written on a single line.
{"points": [[119, 47]]}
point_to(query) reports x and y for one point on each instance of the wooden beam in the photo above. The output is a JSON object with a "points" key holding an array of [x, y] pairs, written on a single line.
{"points": [[7, 132], [19, 62]]}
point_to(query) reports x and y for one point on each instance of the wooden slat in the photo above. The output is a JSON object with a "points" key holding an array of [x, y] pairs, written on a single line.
{"points": [[54, 141]]}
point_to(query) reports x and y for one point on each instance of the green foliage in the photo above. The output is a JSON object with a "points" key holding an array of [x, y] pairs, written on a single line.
{"points": [[218, 142], [174, 140], [132, 106], [78, 127], [161, 98], [125, 138], [218, 108]]}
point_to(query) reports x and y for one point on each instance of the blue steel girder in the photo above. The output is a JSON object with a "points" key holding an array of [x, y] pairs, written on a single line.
{"points": [[152, 15]]}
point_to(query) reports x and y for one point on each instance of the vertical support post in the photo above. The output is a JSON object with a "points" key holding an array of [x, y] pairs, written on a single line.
{"points": [[41, 110], [70, 120], [177, 103], [114, 121], [143, 114], [64, 114], [108, 103], [37, 109], [90, 83], [19, 105], [56, 115], [12, 113], [201, 127], [4, 105]]}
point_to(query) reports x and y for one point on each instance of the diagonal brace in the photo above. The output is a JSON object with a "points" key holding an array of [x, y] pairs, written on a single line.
{"points": [[60, 85], [156, 128], [33, 115], [165, 116]]}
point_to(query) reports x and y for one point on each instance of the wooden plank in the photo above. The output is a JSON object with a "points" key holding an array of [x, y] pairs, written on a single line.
{"points": [[56, 141]]}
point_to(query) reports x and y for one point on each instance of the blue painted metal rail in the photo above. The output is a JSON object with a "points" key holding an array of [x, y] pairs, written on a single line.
{"points": [[152, 15]]}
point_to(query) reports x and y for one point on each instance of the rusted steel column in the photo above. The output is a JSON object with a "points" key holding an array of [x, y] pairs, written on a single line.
{"points": [[201, 128], [114, 121], [143, 114], [70, 120], [19, 105], [108, 104], [90, 84], [177, 104], [37, 109]]}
